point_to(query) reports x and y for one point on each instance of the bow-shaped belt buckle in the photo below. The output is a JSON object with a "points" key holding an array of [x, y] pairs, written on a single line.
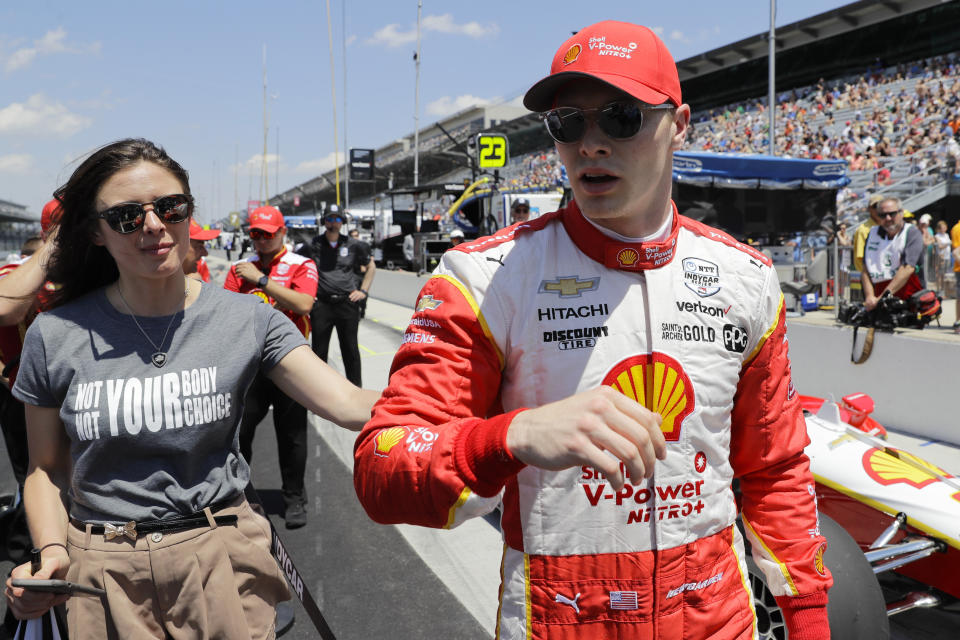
{"points": [[111, 531]]}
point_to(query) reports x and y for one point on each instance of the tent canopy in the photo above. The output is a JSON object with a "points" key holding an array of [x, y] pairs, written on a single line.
{"points": [[747, 171]]}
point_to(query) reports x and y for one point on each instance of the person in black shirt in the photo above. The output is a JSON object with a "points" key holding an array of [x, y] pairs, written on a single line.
{"points": [[338, 259]]}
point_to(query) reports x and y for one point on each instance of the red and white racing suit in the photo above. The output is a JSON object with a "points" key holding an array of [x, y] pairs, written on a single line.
{"points": [[693, 328]]}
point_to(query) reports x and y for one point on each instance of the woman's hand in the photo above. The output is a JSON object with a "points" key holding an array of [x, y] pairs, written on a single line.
{"points": [[26, 604]]}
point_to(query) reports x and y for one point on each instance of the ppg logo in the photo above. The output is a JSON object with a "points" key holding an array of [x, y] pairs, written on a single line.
{"points": [[734, 338]]}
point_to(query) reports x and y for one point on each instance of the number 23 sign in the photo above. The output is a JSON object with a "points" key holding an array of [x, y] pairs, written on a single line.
{"points": [[492, 150]]}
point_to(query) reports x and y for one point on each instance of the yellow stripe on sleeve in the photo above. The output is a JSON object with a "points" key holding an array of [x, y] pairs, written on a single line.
{"points": [[452, 514], [476, 310], [788, 579], [767, 333]]}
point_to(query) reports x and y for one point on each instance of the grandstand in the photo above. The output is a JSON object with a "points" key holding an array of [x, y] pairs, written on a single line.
{"points": [[849, 86]]}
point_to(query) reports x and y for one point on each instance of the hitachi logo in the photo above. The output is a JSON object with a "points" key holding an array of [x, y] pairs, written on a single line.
{"points": [[699, 307], [565, 313]]}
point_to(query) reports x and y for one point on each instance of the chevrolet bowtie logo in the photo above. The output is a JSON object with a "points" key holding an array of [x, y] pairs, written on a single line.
{"points": [[569, 286], [428, 302]]}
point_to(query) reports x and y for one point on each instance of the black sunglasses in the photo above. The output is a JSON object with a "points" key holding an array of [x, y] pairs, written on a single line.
{"points": [[260, 234], [619, 120], [889, 214], [128, 217]]}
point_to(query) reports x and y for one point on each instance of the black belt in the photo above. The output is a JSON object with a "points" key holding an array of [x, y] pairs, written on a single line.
{"points": [[333, 298], [133, 529]]}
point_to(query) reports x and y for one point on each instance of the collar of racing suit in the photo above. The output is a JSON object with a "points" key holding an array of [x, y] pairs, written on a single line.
{"points": [[616, 254]]}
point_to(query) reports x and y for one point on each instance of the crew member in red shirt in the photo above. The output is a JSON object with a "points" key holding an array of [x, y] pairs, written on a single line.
{"points": [[289, 282], [194, 264]]}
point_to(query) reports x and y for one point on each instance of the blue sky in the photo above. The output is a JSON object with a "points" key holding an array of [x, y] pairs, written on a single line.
{"points": [[188, 75]]}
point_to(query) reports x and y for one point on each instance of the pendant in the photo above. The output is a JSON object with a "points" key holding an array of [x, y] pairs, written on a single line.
{"points": [[159, 359]]}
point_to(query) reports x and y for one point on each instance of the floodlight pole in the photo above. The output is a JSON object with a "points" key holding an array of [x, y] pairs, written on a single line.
{"points": [[416, 105], [772, 77]]}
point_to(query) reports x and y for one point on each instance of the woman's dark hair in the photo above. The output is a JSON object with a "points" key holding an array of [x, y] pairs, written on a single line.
{"points": [[77, 264]]}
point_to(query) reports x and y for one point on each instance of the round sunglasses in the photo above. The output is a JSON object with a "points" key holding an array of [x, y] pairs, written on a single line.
{"points": [[128, 217], [619, 120]]}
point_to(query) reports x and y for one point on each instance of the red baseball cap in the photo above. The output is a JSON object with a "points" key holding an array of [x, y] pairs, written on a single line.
{"points": [[626, 56], [267, 218], [199, 233], [51, 214]]}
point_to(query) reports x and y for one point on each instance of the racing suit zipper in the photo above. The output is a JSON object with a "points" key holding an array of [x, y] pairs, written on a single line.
{"points": [[654, 533]]}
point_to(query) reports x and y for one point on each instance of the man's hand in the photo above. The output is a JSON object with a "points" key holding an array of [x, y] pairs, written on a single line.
{"points": [[249, 272], [357, 295], [581, 429], [870, 302]]}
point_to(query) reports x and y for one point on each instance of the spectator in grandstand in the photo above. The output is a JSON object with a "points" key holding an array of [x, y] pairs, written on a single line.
{"points": [[892, 256], [862, 231], [288, 282], [340, 291], [195, 265], [519, 210], [499, 398], [134, 385], [942, 238], [843, 238]]}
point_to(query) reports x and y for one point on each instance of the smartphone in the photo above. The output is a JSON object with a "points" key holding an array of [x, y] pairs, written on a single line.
{"points": [[56, 586]]}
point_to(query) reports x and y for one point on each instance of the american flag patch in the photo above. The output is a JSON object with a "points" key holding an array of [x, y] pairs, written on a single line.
{"points": [[624, 600]]}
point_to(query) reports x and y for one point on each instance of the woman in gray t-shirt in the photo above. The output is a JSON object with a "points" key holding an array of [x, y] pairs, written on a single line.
{"points": [[134, 384]]}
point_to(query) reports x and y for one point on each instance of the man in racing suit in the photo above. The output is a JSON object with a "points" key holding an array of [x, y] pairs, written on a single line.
{"points": [[605, 372]]}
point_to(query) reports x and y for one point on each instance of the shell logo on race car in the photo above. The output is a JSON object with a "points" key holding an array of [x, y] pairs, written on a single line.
{"points": [[387, 440], [572, 54], [660, 384], [260, 294], [628, 257], [428, 302], [899, 466]]}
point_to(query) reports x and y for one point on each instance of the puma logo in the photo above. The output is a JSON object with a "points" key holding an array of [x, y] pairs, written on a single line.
{"points": [[756, 264], [562, 599], [497, 259]]}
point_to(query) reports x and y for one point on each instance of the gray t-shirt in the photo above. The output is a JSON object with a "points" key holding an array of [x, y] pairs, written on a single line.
{"points": [[148, 442]]}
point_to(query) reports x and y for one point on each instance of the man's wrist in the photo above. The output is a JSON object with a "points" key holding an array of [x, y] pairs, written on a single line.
{"points": [[262, 282]]}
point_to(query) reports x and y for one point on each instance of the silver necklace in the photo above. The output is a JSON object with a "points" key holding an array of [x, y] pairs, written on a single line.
{"points": [[159, 357]]}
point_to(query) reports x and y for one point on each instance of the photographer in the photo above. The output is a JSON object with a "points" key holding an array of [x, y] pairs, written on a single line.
{"points": [[893, 251]]}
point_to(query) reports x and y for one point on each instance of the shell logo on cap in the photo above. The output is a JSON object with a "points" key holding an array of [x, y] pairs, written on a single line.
{"points": [[627, 257], [895, 466], [572, 54], [660, 384], [388, 439]]}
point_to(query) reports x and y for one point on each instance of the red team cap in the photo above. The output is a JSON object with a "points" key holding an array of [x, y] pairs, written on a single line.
{"points": [[267, 218], [626, 56], [51, 214], [199, 233]]}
